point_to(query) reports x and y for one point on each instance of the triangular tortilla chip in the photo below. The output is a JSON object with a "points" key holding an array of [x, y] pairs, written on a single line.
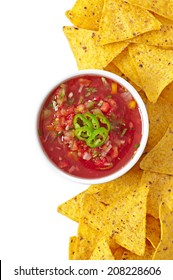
{"points": [[160, 38], [167, 93], [126, 65], [154, 66], [149, 251], [160, 189], [102, 251], [112, 68], [72, 207], [153, 230], [120, 213], [160, 7], [86, 13], [160, 115], [160, 158], [121, 21], [164, 250], [88, 55], [72, 247], [86, 240]]}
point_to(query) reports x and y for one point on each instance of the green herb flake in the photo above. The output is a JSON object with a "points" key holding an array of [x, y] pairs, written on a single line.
{"points": [[91, 90], [137, 146], [62, 93], [123, 132], [100, 103]]}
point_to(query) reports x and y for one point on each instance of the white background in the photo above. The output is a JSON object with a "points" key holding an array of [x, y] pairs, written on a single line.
{"points": [[34, 55]]}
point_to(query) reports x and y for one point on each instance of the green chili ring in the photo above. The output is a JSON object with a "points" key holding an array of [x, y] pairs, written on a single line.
{"points": [[104, 121], [97, 138], [80, 121], [93, 120], [83, 133]]}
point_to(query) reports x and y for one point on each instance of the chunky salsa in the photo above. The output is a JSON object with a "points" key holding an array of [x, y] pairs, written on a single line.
{"points": [[90, 126]]}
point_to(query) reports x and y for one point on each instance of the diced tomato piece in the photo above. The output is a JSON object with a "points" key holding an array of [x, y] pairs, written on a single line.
{"points": [[62, 164], [84, 82], [105, 107], [131, 125], [113, 103]]}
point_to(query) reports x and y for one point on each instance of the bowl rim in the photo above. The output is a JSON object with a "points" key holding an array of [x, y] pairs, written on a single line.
{"points": [[144, 118]]}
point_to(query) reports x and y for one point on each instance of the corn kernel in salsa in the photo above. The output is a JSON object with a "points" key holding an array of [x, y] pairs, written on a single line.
{"points": [[90, 126]]}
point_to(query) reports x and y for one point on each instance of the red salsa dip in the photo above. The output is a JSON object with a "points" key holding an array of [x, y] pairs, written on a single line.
{"points": [[90, 126]]}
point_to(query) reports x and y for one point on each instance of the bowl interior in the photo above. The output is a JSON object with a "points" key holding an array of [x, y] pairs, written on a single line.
{"points": [[144, 119]]}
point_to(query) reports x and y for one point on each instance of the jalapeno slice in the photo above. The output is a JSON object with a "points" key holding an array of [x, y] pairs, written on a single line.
{"points": [[79, 121], [103, 121], [83, 133], [93, 120], [97, 138], [93, 129]]}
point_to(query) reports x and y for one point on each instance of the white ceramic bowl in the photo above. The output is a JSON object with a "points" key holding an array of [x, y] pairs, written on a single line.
{"points": [[145, 127]]}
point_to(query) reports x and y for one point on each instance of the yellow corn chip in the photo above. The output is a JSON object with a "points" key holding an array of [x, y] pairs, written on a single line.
{"points": [[86, 242], [102, 251], [160, 158], [164, 250], [112, 68], [167, 93], [125, 63], [72, 247], [118, 253], [159, 62], [160, 7], [86, 13], [160, 185], [87, 53], [153, 230], [149, 251], [161, 38], [123, 219], [160, 115], [72, 207], [121, 21]]}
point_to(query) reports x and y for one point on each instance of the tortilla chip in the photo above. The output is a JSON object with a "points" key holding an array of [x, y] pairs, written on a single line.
{"points": [[72, 247], [160, 38], [159, 62], [72, 207], [112, 68], [160, 186], [167, 196], [130, 22], [167, 93], [86, 242], [160, 158], [110, 191], [160, 7], [160, 115], [153, 230], [102, 251], [125, 63], [164, 250], [118, 253], [88, 55], [119, 214], [149, 251], [86, 14]]}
